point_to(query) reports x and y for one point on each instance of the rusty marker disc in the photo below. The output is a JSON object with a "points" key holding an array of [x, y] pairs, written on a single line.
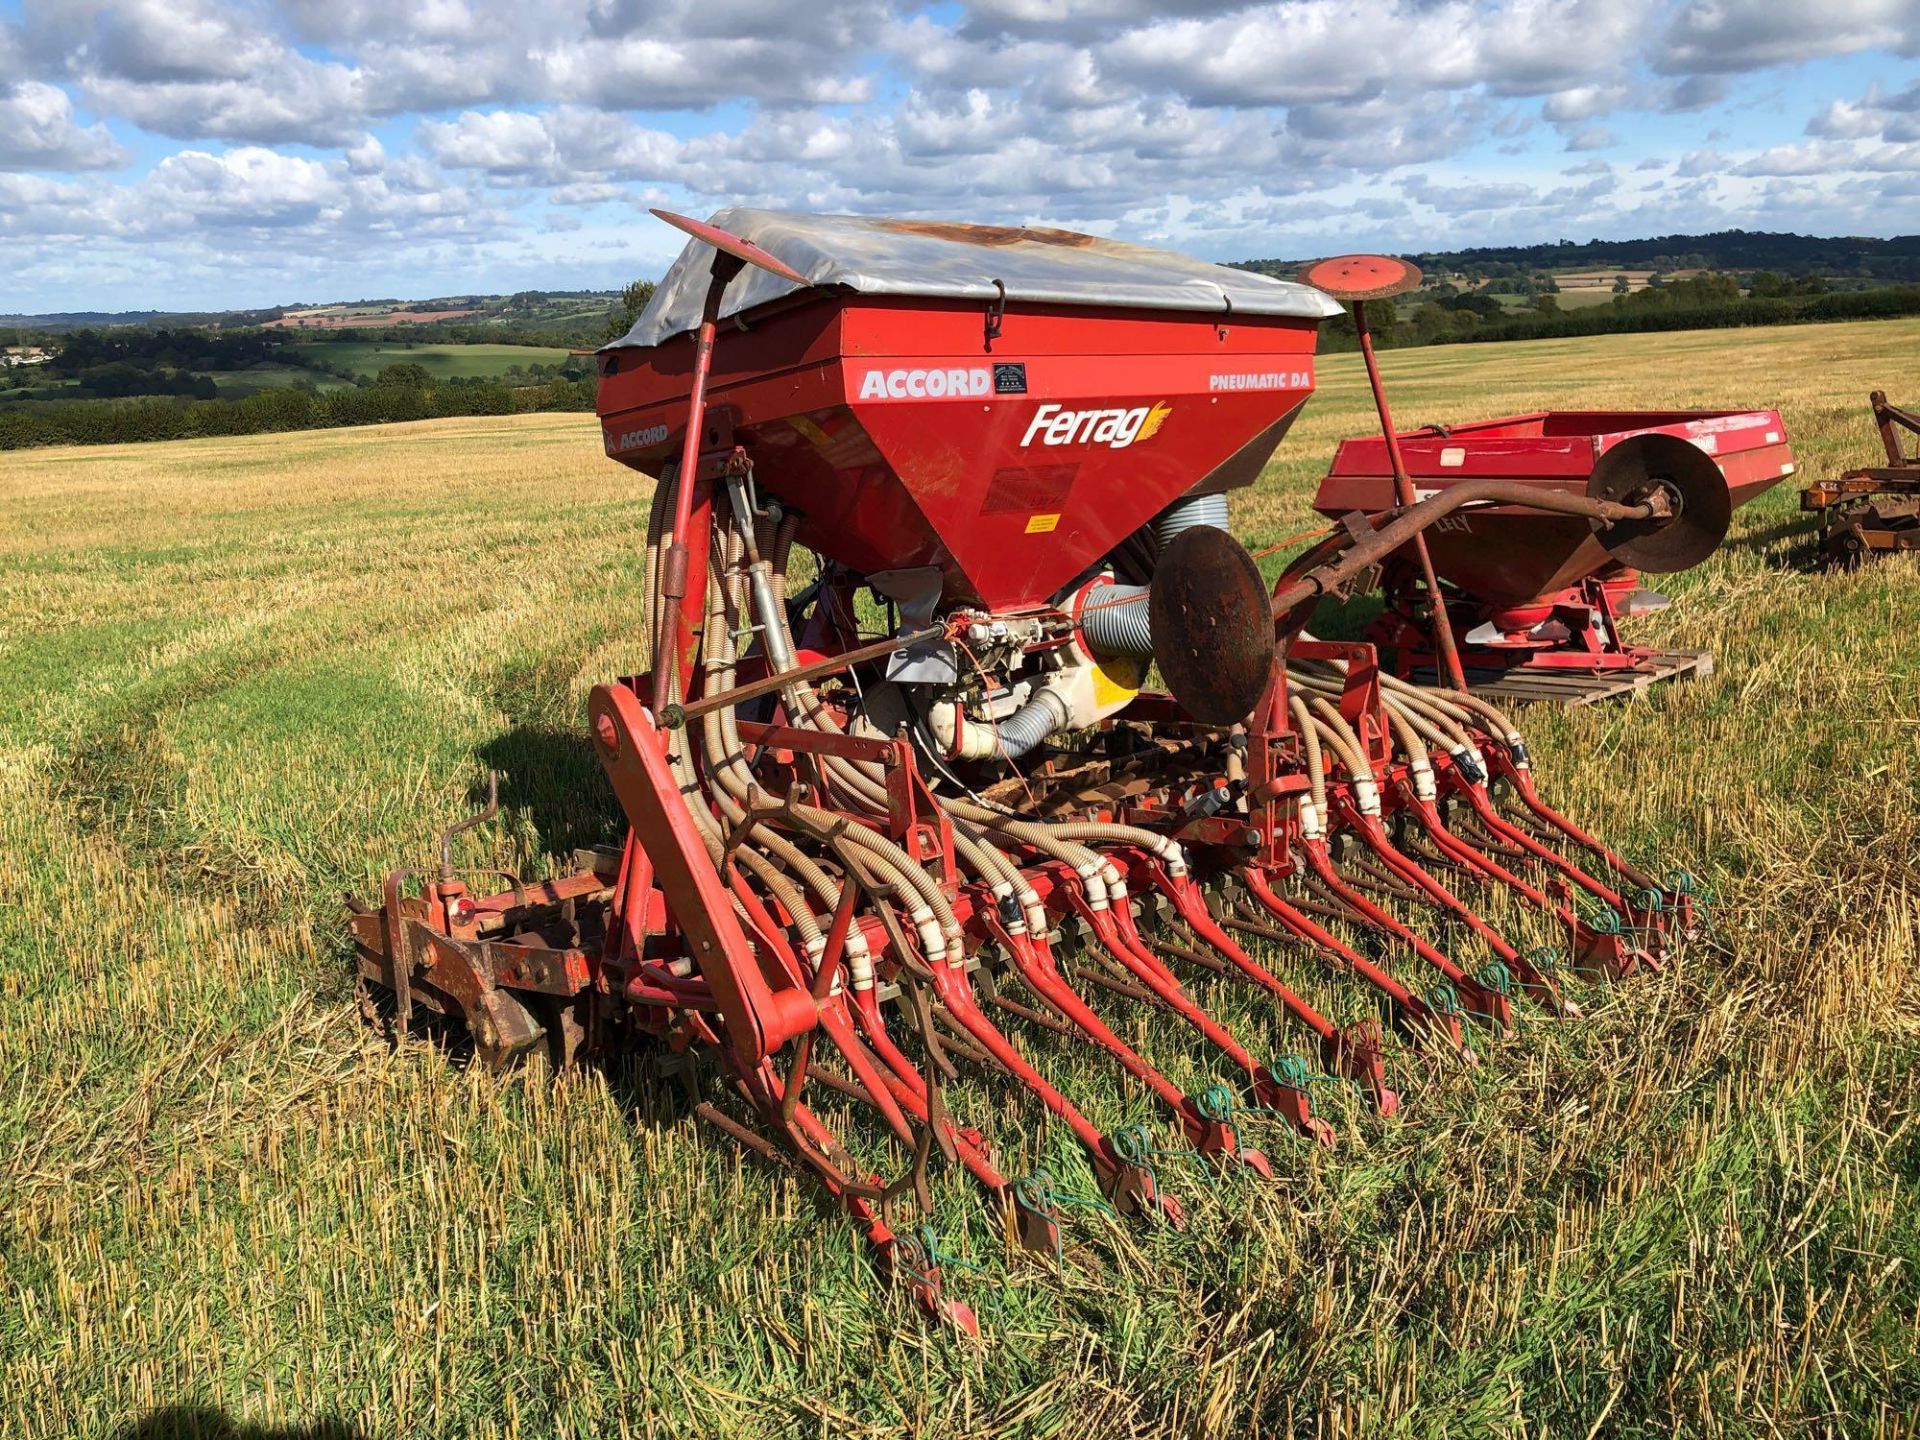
{"points": [[1212, 629], [1636, 467], [1362, 277]]}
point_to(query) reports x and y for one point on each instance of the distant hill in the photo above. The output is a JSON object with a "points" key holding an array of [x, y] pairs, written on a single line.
{"points": [[545, 317], [65, 320], [1842, 257]]}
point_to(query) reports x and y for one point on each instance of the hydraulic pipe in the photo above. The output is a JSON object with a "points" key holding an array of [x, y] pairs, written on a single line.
{"points": [[674, 716]]}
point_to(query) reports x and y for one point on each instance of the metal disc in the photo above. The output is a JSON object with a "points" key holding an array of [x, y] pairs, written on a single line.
{"points": [[1362, 277], [1212, 629], [732, 244], [1633, 470]]}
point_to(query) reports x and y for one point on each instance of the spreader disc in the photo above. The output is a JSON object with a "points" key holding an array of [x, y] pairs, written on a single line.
{"points": [[732, 244], [1212, 629], [1632, 471], [1362, 277]]}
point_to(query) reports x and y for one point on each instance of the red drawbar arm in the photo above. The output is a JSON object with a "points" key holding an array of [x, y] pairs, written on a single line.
{"points": [[759, 1019]]}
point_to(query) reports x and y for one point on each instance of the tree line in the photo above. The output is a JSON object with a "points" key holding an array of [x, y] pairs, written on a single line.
{"points": [[403, 392], [1700, 302], [1895, 260]]}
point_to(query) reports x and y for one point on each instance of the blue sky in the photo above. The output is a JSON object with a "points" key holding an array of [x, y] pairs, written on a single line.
{"points": [[187, 154]]}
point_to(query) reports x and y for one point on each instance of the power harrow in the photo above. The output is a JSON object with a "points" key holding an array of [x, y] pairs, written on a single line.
{"points": [[1874, 510], [933, 502]]}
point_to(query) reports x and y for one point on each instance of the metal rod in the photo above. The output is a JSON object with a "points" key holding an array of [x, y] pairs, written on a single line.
{"points": [[674, 716], [1403, 491], [673, 578], [1406, 524]]}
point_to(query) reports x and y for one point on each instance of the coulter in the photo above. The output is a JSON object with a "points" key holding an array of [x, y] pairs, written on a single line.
{"points": [[933, 504]]}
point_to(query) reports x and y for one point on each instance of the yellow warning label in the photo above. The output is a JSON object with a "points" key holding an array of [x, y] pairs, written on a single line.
{"points": [[1041, 524], [804, 424]]}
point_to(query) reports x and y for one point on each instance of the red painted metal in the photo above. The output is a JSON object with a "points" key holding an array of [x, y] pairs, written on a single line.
{"points": [[834, 404], [728, 243], [759, 1019], [1357, 279]]}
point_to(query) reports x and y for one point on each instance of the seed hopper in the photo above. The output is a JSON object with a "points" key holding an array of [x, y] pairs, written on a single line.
{"points": [[931, 505]]}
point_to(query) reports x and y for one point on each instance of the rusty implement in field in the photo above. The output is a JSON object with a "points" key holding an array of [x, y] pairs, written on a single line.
{"points": [[1875, 509], [929, 503]]}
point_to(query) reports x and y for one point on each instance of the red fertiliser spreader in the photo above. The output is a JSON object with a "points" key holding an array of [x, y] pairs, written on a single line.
{"points": [[910, 821], [1537, 599]]}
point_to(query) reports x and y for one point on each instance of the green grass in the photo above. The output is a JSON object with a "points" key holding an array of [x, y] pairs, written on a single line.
{"points": [[239, 677], [443, 362], [238, 384], [1585, 298], [45, 388]]}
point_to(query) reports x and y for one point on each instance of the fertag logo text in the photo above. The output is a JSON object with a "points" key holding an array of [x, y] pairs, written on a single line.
{"points": [[1117, 429]]}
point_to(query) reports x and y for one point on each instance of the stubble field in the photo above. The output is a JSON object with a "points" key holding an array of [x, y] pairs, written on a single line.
{"points": [[238, 678]]}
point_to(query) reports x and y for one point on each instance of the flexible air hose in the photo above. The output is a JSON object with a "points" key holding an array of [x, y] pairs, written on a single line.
{"points": [[1115, 621], [1310, 739], [1185, 514], [1033, 722]]}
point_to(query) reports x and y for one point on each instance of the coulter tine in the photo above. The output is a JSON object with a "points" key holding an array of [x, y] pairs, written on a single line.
{"points": [[1480, 1002], [1034, 963], [950, 983], [1412, 1009], [1436, 894], [1114, 929]]}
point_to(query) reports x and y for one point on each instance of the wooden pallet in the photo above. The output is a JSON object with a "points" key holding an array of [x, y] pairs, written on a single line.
{"points": [[1573, 687]]}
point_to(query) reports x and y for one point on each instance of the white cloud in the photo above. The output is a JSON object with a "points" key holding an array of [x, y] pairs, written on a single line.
{"points": [[250, 186], [554, 147], [1583, 102], [1318, 50], [38, 132], [170, 41], [1713, 36], [298, 102], [1828, 157], [1846, 120], [486, 130]]}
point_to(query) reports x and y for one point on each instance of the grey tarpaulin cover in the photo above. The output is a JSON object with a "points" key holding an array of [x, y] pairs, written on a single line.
{"points": [[930, 257]]}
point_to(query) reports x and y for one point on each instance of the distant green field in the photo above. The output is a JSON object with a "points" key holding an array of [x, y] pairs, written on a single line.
{"points": [[237, 384], [1569, 300], [1582, 299], [443, 362], [47, 388]]}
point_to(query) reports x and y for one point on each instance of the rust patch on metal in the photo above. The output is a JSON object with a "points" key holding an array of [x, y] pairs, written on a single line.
{"points": [[995, 235], [1649, 467]]}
